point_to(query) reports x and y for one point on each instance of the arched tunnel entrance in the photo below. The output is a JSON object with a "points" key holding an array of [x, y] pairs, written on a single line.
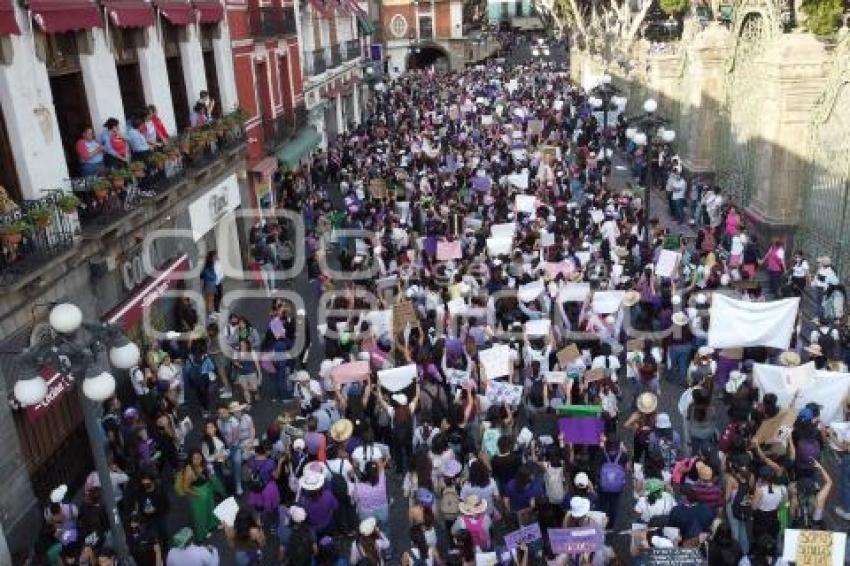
{"points": [[424, 56]]}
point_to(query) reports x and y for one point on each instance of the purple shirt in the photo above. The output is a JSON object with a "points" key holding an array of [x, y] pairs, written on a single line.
{"points": [[320, 509], [521, 499]]}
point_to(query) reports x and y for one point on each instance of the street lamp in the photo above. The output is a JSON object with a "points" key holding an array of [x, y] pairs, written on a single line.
{"points": [[77, 354], [603, 95], [647, 129]]}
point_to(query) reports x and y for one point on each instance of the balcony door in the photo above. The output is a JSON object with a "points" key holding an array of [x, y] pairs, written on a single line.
{"points": [[124, 48], [174, 67], [208, 32], [8, 172]]}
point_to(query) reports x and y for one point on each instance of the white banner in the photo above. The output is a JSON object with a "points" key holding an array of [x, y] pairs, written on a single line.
{"points": [[827, 389], [736, 324], [396, 379], [607, 302], [497, 361]]}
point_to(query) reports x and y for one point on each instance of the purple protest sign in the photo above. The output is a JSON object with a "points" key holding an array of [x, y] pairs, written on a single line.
{"points": [[581, 430], [575, 541], [525, 535]]}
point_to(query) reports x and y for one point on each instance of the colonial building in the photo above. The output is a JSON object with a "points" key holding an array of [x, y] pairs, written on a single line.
{"points": [[65, 67], [445, 34], [516, 14], [334, 35]]}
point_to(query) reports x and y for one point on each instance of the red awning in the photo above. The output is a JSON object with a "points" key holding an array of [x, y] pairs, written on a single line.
{"points": [[130, 13], [8, 25], [209, 11], [178, 13], [58, 16], [131, 311]]}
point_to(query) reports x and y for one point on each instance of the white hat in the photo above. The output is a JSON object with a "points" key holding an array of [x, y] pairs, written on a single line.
{"points": [[301, 375], [299, 444], [579, 507], [58, 494], [525, 436], [400, 398], [581, 480], [661, 542], [679, 318], [705, 351], [662, 420], [298, 514], [311, 481], [367, 526], [676, 300], [702, 298]]}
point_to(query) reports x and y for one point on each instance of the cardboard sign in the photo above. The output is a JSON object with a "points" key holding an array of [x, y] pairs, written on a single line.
{"points": [[814, 548], [575, 541], [378, 188], [595, 374], [525, 535], [404, 313], [448, 250], [776, 429], [397, 379], [567, 355], [672, 557], [634, 345], [497, 361], [350, 372], [667, 264]]}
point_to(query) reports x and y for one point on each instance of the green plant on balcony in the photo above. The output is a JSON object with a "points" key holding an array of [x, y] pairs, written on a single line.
{"points": [[100, 187], [12, 232], [823, 17], [68, 203], [40, 215], [119, 177], [137, 168], [674, 7]]}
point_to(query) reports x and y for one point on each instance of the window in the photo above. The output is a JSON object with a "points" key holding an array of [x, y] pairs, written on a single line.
{"points": [[426, 27], [398, 26], [519, 8]]}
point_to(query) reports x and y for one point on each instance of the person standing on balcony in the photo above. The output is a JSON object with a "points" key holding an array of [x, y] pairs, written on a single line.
{"points": [[208, 103], [90, 154], [198, 119], [139, 145], [153, 122], [116, 151]]}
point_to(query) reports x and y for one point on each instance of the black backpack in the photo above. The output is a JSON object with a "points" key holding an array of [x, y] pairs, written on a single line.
{"points": [[339, 486], [742, 504]]}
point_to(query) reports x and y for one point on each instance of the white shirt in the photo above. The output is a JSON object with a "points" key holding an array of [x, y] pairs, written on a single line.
{"points": [[800, 269], [363, 455], [171, 374], [662, 506]]}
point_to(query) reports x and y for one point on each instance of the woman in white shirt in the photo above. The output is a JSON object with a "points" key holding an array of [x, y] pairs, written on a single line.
{"points": [[170, 373], [656, 502], [370, 544]]}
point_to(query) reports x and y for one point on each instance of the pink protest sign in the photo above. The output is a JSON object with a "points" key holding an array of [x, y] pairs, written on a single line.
{"points": [[448, 250], [350, 372]]}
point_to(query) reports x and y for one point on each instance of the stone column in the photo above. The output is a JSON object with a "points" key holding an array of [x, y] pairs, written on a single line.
{"points": [[703, 97], [664, 77], [101, 79], [30, 116], [192, 59], [793, 69], [355, 101], [224, 68], [341, 122], [155, 78]]}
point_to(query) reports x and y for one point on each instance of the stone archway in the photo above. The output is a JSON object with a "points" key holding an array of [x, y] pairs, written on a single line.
{"points": [[424, 55]]}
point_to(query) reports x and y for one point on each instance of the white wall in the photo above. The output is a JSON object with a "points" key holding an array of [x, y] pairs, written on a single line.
{"points": [[456, 19], [30, 117], [192, 59], [101, 81], [224, 68], [155, 78]]}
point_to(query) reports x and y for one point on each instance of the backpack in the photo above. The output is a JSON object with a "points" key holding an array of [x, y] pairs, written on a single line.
{"points": [[742, 504], [612, 476], [449, 503], [553, 480], [732, 430], [339, 487], [669, 452], [476, 529], [255, 481]]}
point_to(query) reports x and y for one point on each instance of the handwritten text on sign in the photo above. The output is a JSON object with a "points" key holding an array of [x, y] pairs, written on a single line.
{"points": [[525, 535], [575, 541], [814, 548]]}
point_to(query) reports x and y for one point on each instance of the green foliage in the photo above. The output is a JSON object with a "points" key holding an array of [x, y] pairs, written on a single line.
{"points": [[822, 16], [674, 7]]}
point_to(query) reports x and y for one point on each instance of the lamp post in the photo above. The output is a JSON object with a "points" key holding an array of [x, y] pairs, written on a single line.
{"points": [[603, 95], [75, 347], [647, 129]]}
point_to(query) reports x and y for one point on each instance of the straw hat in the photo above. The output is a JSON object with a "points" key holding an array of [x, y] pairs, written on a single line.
{"points": [[815, 350], [679, 318], [647, 402], [789, 358], [312, 481], [341, 430], [631, 298], [579, 507], [472, 504]]}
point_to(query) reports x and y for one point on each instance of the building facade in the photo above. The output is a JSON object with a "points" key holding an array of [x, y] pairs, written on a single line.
{"points": [[334, 35], [443, 34], [518, 14], [111, 243]]}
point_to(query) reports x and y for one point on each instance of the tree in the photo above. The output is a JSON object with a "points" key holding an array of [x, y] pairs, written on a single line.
{"points": [[674, 7], [608, 21]]}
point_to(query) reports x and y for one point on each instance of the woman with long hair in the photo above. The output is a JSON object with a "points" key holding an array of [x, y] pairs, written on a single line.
{"points": [[481, 483], [369, 544], [421, 551], [200, 486], [247, 538], [214, 451], [370, 495], [768, 497]]}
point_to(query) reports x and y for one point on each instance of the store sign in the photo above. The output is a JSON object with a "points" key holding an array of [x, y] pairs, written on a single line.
{"points": [[132, 310], [205, 212], [58, 384], [133, 268]]}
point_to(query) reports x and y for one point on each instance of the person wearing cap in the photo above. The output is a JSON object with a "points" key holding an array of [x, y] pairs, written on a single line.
{"points": [[185, 551], [691, 517], [318, 501], [665, 440], [370, 544], [60, 516], [654, 501]]}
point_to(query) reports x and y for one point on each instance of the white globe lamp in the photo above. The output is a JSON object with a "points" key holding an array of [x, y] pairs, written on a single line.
{"points": [[639, 138], [630, 133], [124, 356], [650, 106], [605, 79], [668, 136], [535, 52], [65, 318], [30, 391], [100, 387]]}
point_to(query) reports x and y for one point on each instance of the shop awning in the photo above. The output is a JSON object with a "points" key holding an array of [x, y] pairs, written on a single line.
{"points": [[209, 11], [132, 310], [178, 13], [365, 24], [130, 13], [265, 167], [8, 25], [58, 16], [291, 154]]}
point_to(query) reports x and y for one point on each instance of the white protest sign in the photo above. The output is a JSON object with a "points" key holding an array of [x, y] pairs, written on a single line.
{"points": [[497, 361], [668, 262], [530, 291], [499, 246], [607, 302], [457, 306], [380, 322], [555, 377], [487, 120], [538, 327], [505, 230], [574, 293], [501, 393], [526, 203], [547, 239], [736, 324], [828, 389], [396, 379], [519, 180]]}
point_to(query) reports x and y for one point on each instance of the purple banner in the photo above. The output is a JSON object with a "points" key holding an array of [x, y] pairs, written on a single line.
{"points": [[575, 541], [525, 535], [581, 430]]}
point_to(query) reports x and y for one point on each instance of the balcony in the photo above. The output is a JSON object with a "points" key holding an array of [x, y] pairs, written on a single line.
{"points": [[272, 21], [352, 49], [276, 131], [316, 64], [336, 57]]}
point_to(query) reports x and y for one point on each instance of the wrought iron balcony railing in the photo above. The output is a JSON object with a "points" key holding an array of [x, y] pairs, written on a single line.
{"points": [[352, 49]]}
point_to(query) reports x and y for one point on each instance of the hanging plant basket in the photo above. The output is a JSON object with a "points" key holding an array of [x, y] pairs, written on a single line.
{"points": [[40, 216]]}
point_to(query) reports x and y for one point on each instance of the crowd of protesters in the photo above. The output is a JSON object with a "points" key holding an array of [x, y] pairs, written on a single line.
{"points": [[451, 153]]}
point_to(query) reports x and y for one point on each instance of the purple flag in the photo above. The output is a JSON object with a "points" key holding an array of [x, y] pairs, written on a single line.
{"points": [[429, 245], [575, 541], [581, 430]]}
